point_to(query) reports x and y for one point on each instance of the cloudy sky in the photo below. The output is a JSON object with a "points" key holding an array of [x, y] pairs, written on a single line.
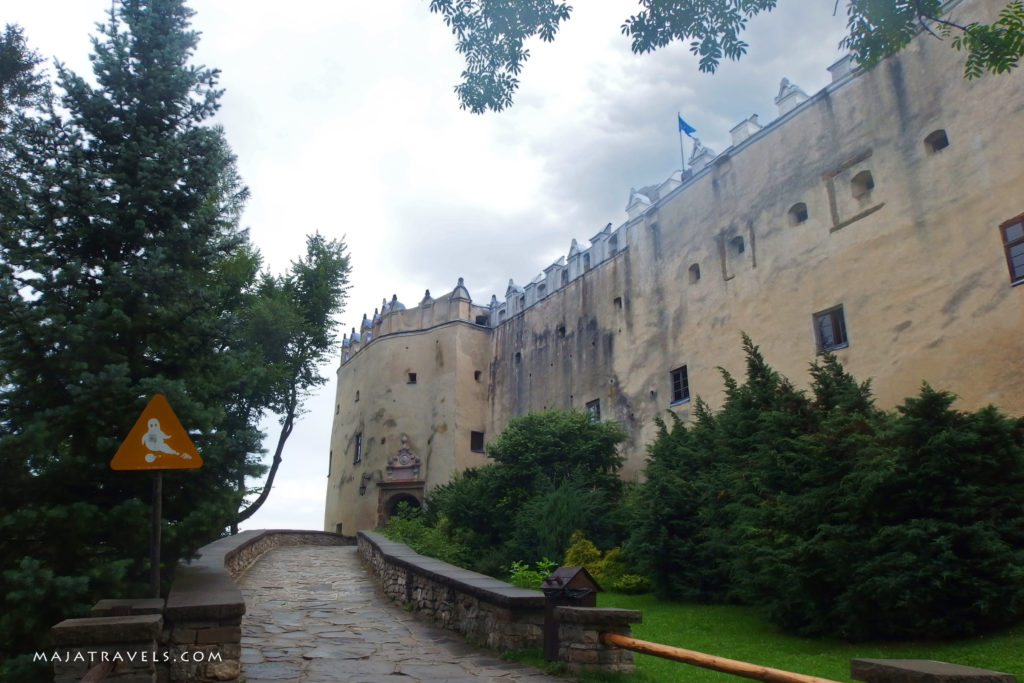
{"points": [[344, 121]]}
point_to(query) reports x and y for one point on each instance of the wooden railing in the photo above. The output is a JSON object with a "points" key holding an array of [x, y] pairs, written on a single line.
{"points": [[729, 666]]}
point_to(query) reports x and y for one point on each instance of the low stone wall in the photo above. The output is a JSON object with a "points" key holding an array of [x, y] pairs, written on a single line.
{"points": [[483, 609], [579, 638], [196, 635]]}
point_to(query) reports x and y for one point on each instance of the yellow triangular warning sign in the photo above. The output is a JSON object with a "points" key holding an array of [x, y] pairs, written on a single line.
{"points": [[157, 442]]}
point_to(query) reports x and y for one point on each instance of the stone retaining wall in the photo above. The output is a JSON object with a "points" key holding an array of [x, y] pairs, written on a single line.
{"points": [[483, 609], [196, 635]]}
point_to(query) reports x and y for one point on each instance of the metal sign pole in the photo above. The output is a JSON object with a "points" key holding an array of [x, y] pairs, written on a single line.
{"points": [[154, 536]]}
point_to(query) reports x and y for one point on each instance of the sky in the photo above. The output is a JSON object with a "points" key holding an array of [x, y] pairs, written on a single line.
{"points": [[344, 121]]}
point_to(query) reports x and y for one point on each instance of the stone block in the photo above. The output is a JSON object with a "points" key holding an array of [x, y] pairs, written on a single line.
{"points": [[227, 670], [221, 634], [107, 607], [102, 630], [185, 636], [922, 671]]}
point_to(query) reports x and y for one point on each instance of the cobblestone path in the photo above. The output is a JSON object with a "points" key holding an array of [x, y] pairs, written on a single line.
{"points": [[314, 615]]}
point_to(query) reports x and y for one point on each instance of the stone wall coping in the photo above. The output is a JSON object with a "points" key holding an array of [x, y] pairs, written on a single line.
{"points": [[484, 587], [203, 591], [204, 588], [923, 671], [139, 628], [598, 616], [107, 606]]}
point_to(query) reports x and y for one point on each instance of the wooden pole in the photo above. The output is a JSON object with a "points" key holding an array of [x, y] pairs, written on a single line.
{"points": [[729, 666], [154, 536]]}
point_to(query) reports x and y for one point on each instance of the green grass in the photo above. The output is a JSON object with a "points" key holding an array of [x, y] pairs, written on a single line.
{"points": [[738, 633]]}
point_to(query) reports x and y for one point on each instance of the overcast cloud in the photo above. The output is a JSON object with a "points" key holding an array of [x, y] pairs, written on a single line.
{"points": [[343, 119]]}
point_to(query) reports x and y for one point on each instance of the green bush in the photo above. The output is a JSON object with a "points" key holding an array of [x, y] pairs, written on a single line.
{"points": [[520, 574], [609, 568], [408, 526], [834, 517], [631, 584], [553, 472]]}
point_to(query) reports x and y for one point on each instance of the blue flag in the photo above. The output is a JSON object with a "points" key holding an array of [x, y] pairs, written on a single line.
{"points": [[684, 127]]}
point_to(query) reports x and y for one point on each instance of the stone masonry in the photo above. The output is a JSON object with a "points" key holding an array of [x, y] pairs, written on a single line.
{"points": [[314, 616]]}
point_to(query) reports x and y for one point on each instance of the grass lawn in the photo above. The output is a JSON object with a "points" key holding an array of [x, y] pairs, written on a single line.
{"points": [[738, 633]]}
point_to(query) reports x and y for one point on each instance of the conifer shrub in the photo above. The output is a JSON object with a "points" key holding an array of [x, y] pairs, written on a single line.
{"points": [[834, 517]]}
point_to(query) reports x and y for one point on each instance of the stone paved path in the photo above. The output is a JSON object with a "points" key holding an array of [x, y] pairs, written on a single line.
{"points": [[314, 615]]}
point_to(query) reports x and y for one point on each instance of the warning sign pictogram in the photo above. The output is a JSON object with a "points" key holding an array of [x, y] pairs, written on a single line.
{"points": [[157, 442]]}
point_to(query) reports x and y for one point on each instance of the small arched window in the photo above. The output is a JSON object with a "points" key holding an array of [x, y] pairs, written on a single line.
{"points": [[862, 184], [694, 273], [736, 244], [797, 213], [935, 141]]}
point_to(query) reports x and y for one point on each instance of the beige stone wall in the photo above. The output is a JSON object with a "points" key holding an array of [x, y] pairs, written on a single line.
{"points": [[917, 264], [435, 415]]}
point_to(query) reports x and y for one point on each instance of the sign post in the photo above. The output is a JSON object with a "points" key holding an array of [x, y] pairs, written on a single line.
{"points": [[157, 442]]}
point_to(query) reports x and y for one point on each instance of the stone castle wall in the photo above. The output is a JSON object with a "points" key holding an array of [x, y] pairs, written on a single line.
{"points": [[874, 205]]}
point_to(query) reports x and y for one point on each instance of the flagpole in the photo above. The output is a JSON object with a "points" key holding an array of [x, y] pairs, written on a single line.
{"points": [[682, 154]]}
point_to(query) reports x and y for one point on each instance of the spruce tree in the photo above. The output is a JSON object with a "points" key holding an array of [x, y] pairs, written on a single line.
{"points": [[125, 273]]}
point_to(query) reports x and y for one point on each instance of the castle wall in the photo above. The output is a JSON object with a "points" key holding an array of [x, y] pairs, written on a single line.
{"points": [[378, 405], [914, 258]]}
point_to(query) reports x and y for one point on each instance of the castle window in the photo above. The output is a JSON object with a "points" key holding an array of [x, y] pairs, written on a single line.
{"points": [[359, 449], [862, 184], [560, 331], [357, 396], [797, 213], [412, 378], [680, 384], [482, 320], [594, 410], [586, 262], [369, 336], [519, 356], [542, 289], [337, 408], [565, 276], [1013, 243], [618, 302], [736, 244], [935, 141], [476, 442], [501, 315], [694, 273], [347, 356], [830, 330], [477, 375], [613, 245]]}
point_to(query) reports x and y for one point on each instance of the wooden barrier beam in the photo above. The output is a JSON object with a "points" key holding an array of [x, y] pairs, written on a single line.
{"points": [[729, 666]]}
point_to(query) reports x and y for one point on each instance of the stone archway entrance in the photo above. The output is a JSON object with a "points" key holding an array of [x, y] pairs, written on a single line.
{"points": [[391, 494], [404, 483]]}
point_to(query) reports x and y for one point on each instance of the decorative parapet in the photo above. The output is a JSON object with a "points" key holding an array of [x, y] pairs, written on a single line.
{"points": [[483, 609]]}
